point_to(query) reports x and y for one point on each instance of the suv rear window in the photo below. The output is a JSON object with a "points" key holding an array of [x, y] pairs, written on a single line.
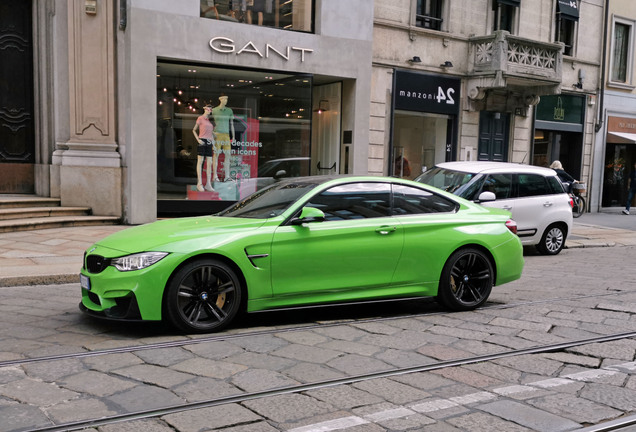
{"points": [[534, 185], [556, 185]]}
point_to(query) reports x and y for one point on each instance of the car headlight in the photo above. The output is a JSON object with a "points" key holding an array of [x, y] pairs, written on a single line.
{"points": [[137, 261]]}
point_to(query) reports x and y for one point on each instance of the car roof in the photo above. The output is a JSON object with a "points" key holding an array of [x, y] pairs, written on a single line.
{"points": [[476, 167]]}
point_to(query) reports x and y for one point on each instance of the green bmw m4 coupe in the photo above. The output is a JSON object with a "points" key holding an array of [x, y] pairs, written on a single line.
{"points": [[304, 241]]}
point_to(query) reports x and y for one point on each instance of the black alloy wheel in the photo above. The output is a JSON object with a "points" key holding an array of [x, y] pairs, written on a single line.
{"points": [[203, 296], [467, 280]]}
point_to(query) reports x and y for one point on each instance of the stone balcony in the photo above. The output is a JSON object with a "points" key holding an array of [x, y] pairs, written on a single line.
{"points": [[520, 69]]}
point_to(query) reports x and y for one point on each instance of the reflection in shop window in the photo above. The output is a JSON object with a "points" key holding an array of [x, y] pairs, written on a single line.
{"points": [[296, 15], [256, 130], [419, 142]]}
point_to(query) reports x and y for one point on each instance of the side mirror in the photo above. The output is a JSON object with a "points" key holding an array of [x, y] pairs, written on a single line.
{"points": [[309, 214], [280, 174], [487, 196]]}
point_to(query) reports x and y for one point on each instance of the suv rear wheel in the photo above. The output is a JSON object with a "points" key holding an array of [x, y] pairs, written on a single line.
{"points": [[552, 241]]}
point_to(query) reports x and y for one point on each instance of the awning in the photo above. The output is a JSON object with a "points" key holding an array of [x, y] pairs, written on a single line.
{"points": [[621, 138], [569, 9], [514, 3]]}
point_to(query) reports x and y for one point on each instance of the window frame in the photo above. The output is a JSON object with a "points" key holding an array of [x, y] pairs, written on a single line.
{"points": [[568, 50], [419, 18], [513, 11], [629, 72]]}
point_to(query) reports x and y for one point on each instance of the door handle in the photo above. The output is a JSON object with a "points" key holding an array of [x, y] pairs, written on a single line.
{"points": [[507, 208], [384, 230], [548, 204]]}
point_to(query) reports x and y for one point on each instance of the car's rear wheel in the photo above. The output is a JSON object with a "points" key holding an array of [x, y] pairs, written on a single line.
{"points": [[467, 280], [203, 296], [552, 241]]}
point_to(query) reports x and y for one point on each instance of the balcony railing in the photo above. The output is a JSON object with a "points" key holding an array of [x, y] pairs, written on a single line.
{"points": [[516, 56]]}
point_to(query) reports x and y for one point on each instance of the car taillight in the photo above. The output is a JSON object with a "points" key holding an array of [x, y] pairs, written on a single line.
{"points": [[512, 226], [571, 202]]}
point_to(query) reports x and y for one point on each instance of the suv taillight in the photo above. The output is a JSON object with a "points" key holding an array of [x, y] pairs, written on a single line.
{"points": [[512, 226]]}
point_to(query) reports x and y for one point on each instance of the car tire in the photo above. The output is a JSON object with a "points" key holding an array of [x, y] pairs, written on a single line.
{"points": [[552, 241], [466, 281], [203, 296]]}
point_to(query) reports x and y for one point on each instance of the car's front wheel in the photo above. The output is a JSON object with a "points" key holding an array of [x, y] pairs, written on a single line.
{"points": [[203, 296], [467, 280], [552, 241]]}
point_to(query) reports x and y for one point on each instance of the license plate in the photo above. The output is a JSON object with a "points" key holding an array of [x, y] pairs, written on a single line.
{"points": [[85, 282]]}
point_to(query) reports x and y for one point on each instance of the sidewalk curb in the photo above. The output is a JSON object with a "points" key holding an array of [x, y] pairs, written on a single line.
{"points": [[57, 279]]}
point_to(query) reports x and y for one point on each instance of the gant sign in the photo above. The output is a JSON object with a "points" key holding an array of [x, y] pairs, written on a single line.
{"points": [[225, 45]]}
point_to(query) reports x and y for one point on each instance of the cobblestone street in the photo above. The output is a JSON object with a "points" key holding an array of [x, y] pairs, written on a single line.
{"points": [[388, 366]]}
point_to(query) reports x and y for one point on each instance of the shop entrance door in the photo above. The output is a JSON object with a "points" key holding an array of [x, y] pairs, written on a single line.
{"points": [[493, 136], [17, 142]]}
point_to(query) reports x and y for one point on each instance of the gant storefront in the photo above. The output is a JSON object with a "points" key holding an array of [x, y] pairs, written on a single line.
{"points": [[286, 90]]}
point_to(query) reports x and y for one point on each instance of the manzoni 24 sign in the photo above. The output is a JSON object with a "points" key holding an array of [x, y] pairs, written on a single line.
{"points": [[426, 93]]}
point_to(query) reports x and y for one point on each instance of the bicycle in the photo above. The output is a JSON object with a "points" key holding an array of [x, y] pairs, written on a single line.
{"points": [[579, 202]]}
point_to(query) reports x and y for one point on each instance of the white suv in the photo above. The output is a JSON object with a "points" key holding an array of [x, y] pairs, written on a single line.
{"points": [[534, 195]]}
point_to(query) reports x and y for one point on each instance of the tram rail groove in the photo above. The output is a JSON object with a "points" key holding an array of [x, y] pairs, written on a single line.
{"points": [[159, 412], [225, 337], [614, 425]]}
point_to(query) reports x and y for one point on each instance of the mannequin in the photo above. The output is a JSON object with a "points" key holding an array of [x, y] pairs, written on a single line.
{"points": [[224, 119], [205, 138]]}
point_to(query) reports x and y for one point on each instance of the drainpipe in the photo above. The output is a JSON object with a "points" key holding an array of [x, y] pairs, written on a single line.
{"points": [[599, 123]]}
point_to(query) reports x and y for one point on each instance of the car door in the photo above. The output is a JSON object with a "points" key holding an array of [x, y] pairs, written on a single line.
{"points": [[357, 247], [430, 224]]}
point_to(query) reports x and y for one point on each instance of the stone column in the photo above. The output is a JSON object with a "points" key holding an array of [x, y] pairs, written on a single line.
{"points": [[90, 164]]}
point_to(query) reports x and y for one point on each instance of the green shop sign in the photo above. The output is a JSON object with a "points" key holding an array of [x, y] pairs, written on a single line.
{"points": [[561, 108]]}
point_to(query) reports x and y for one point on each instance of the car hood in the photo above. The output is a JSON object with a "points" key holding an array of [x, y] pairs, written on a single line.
{"points": [[152, 236]]}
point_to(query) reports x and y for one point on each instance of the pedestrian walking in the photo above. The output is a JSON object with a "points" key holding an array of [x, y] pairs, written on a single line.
{"points": [[631, 189]]}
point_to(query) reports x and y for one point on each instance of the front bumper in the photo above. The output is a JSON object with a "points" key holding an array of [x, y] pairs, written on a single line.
{"points": [[131, 295]]}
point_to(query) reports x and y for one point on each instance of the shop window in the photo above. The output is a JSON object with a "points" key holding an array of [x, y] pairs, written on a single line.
{"points": [[429, 14], [419, 142], [565, 147], [567, 15], [296, 15], [505, 13], [261, 131], [622, 52]]}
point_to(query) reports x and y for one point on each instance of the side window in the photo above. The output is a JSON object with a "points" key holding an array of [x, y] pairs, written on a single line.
{"points": [[408, 200], [533, 185], [499, 184], [354, 201]]}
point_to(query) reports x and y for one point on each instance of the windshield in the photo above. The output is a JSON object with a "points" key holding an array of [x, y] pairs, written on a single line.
{"points": [[270, 201], [445, 179]]}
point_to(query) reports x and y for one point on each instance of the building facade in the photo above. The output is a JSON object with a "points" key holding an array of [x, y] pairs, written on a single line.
{"points": [[615, 146], [501, 80], [120, 87], [103, 101]]}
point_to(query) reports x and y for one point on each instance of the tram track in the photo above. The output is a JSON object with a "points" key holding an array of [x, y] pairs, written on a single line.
{"points": [[306, 327], [159, 412]]}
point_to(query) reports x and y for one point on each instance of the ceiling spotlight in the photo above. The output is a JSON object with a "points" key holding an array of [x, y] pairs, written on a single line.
{"points": [[415, 59], [446, 64], [323, 106]]}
